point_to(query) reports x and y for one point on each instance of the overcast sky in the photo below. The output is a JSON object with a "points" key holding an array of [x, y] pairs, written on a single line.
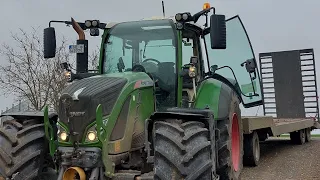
{"points": [[272, 25]]}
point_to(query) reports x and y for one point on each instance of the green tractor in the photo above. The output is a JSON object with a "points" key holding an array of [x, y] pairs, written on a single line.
{"points": [[164, 104]]}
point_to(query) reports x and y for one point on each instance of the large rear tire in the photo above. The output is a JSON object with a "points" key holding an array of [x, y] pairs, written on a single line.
{"points": [[182, 150], [230, 144], [23, 149]]}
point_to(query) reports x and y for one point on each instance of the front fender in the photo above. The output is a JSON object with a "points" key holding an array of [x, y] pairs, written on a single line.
{"points": [[215, 95]]}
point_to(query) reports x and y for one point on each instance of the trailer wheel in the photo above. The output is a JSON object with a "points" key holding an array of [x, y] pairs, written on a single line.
{"points": [[181, 150], [230, 144], [23, 149], [251, 149], [298, 137], [308, 134]]}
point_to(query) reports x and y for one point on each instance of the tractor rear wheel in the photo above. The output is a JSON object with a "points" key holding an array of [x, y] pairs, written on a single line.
{"points": [[181, 150], [230, 144], [23, 149]]}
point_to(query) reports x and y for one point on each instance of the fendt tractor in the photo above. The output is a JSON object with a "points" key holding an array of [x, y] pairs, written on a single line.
{"points": [[164, 104]]}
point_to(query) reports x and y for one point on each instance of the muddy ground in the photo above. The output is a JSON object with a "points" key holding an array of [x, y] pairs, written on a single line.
{"points": [[281, 160]]}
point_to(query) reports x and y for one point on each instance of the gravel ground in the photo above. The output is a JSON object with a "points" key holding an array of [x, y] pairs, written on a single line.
{"points": [[281, 160]]}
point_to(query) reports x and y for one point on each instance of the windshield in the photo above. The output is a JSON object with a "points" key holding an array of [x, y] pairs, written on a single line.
{"points": [[147, 43]]}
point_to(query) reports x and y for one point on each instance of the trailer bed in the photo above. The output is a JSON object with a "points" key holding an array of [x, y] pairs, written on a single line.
{"points": [[277, 126]]}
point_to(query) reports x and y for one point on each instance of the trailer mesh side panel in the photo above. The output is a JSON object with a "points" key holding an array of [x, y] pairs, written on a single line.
{"points": [[289, 84]]}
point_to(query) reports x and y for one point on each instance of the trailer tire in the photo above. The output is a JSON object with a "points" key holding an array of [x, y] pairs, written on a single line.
{"points": [[298, 137], [230, 143], [308, 134], [251, 149], [181, 150], [23, 149]]}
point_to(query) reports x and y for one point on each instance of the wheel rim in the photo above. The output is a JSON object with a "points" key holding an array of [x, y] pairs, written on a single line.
{"points": [[308, 134], [235, 142], [257, 149]]}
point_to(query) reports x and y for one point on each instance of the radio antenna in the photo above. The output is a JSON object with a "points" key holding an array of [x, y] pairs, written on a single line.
{"points": [[164, 14]]}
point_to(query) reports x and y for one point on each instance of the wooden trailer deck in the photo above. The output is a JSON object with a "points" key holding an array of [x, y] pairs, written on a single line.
{"points": [[277, 126]]}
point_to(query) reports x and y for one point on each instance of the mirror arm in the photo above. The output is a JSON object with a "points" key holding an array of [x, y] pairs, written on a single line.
{"points": [[53, 21], [82, 25], [196, 16]]}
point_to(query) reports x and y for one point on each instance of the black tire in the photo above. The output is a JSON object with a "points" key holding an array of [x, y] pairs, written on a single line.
{"points": [[226, 168], [251, 155], [298, 137], [308, 134], [182, 150], [23, 149]]}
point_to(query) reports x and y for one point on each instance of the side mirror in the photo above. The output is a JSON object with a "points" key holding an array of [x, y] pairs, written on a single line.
{"points": [[218, 31], [250, 65], [49, 42]]}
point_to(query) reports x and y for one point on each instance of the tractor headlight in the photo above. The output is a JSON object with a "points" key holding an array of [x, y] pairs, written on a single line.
{"points": [[63, 136], [62, 133], [92, 135]]}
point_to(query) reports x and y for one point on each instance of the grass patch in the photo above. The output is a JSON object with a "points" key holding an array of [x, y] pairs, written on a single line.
{"points": [[312, 135]]}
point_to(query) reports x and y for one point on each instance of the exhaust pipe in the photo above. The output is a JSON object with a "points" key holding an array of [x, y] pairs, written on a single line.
{"points": [[72, 172], [82, 58], [78, 29]]}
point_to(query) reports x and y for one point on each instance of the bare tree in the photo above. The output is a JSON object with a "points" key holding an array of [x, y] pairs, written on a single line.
{"points": [[31, 77], [94, 59], [27, 74]]}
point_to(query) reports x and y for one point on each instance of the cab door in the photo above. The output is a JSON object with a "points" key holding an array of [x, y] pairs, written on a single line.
{"points": [[237, 63]]}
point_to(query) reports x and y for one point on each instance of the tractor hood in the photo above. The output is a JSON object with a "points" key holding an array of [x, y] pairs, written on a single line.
{"points": [[80, 100]]}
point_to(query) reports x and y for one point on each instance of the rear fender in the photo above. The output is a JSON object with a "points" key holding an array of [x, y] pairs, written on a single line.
{"points": [[186, 114]]}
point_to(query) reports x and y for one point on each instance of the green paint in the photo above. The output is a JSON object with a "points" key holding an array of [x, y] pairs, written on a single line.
{"points": [[140, 109], [208, 94], [100, 127], [179, 66], [49, 131], [105, 33]]}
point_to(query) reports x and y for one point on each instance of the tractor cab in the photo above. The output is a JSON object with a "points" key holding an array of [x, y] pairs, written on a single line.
{"points": [[178, 55]]}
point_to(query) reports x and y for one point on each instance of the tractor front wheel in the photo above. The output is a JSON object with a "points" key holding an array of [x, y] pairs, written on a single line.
{"points": [[23, 149], [182, 150]]}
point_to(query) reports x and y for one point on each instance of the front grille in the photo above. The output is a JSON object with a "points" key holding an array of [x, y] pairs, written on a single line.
{"points": [[97, 90]]}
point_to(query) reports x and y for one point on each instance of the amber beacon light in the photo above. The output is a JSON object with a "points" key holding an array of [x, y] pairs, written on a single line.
{"points": [[206, 6]]}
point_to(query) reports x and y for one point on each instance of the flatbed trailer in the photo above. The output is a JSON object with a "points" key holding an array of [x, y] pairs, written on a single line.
{"points": [[289, 86]]}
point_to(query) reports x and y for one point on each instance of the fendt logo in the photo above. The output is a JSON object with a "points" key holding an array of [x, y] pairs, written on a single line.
{"points": [[76, 114]]}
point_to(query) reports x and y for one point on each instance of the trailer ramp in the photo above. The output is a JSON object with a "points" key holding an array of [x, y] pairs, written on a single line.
{"points": [[289, 86]]}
